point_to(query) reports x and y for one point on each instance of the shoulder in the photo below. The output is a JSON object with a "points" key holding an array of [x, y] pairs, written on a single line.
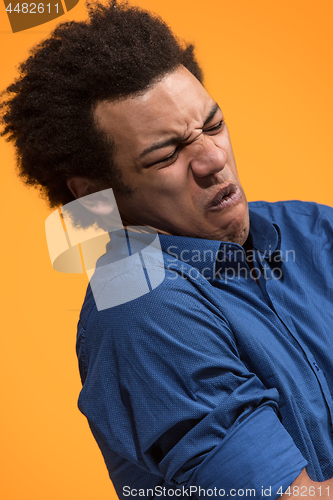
{"points": [[177, 317], [294, 213], [278, 208], [180, 299]]}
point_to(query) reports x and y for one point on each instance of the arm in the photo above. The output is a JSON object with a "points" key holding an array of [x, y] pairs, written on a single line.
{"points": [[304, 486], [168, 392]]}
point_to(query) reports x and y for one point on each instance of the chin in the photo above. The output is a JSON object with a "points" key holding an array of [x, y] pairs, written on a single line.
{"points": [[240, 234]]}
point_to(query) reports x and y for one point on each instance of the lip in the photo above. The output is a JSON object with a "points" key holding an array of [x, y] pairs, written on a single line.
{"points": [[225, 197]]}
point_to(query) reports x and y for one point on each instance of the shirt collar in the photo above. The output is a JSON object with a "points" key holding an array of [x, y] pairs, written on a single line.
{"points": [[196, 252], [202, 253], [266, 235]]}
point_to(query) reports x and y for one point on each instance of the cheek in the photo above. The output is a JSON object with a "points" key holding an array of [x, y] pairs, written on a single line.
{"points": [[170, 179]]}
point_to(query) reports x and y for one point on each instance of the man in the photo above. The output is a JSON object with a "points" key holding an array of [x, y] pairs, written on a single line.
{"points": [[218, 381]]}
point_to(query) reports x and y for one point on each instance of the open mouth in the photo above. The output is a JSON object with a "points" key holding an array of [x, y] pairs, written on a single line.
{"points": [[225, 197]]}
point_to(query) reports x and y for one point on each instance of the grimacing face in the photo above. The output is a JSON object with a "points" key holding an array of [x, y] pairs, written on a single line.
{"points": [[174, 150]]}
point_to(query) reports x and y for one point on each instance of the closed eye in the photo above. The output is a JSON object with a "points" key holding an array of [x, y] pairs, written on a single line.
{"points": [[216, 128], [169, 158], [174, 155]]}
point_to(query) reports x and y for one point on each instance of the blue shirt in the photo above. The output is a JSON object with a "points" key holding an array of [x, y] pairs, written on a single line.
{"points": [[214, 380]]}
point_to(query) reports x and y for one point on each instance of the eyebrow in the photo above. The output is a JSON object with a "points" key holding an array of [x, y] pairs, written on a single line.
{"points": [[175, 140]]}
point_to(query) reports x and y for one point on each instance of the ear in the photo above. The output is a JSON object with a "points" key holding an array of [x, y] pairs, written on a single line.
{"points": [[95, 198]]}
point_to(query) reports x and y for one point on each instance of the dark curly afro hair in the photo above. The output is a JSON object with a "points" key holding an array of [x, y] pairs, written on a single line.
{"points": [[48, 111]]}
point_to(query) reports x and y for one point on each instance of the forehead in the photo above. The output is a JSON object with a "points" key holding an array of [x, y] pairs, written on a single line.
{"points": [[174, 107]]}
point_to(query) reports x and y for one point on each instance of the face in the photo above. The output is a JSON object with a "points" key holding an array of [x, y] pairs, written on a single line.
{"points": [[174, 151]]}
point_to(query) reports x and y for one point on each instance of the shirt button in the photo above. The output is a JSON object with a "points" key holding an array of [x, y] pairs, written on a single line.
{"points": [[316, 366], [229, 254]]}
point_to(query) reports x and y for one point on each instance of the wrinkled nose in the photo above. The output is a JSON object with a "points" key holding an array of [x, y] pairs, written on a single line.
{"points": [[207, 157]]}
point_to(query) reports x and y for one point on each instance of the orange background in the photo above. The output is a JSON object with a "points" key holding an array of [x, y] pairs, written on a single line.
{"points": [[269, 65]]}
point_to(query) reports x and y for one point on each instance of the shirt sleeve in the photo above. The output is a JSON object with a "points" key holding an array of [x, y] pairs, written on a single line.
{"points": [[167, 391]]}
